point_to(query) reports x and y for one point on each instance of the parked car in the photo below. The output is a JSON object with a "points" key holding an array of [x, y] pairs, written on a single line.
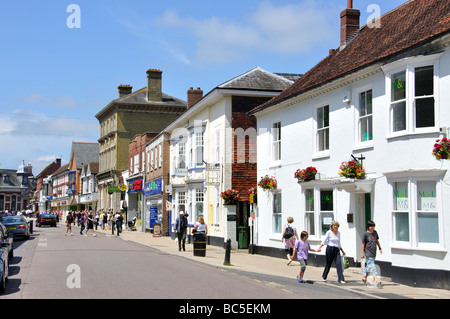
{"points": [[6, 247], [46, 219], [17, 225]]}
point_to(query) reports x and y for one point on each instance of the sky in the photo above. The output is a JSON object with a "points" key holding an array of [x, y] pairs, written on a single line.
{"points": [[62, 61]]}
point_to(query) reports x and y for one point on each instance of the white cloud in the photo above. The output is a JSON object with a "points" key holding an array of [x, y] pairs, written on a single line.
{"points": [[287, 30], [60, 101], [30, 136]]}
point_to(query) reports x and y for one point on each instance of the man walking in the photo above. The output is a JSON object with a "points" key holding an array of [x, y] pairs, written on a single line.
{"points": [[181, 224]]}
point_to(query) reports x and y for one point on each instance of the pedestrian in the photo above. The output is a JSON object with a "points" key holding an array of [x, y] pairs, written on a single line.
{"points": [[181, 224], [90, 224], [78, 218], [110, 221], [97, 219], [200, 226], [302, 247], [119, 221], [289, 237], [333, 241], [103, 220], [369, 252], [69, 221], [82, 222]]}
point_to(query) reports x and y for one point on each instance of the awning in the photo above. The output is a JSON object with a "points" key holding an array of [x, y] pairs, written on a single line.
{"points": [[355, 185]]}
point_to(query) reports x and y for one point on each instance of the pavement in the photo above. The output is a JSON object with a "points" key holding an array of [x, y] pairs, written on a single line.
{"points": [[241, 260]]}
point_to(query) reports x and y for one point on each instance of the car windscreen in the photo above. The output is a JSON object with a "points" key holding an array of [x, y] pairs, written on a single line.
{"points": [[47, 216]]}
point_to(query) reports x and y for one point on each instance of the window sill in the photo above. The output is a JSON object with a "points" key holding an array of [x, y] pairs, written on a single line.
{"points": [[437, 249], [412, 134], [363, 146], [321, 155]]}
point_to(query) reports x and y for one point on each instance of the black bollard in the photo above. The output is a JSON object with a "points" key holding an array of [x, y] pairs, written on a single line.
{"points": [[227, 253]]}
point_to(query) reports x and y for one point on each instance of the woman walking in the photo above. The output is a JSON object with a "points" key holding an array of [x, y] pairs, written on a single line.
{"points": [[333, 242], [289, 237], [69, 221]]}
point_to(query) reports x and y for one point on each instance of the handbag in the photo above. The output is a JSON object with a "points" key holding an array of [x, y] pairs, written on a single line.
{"points": [[345, 262]]}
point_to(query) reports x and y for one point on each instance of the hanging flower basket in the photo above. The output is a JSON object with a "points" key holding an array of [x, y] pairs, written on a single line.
{"points": [[441, 150], [306, 175], [230, 197], [268, 183], [352, 169]]}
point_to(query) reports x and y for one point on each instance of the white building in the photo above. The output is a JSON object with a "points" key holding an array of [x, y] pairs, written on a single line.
{"points": [[383, 95], [207, 160]]}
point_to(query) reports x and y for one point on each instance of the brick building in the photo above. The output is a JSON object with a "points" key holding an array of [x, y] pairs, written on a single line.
{"points": [[136, 176], [157, 177], [43, 192], [16, 188], [133, 113]]}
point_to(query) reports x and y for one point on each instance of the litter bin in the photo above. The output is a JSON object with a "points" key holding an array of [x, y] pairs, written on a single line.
{"points": [[199, 244], [243, 237]]}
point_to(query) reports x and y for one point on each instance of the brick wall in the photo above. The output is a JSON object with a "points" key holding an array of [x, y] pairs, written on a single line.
{"points": [[244, 174]]}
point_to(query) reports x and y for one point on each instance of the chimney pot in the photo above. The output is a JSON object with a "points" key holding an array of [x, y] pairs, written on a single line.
{"points": [[350, 19], [124, 90], [154, 85], [194, 96]]}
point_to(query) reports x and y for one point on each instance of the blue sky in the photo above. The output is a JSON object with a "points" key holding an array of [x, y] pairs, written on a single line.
{"points": [[54, 79]]}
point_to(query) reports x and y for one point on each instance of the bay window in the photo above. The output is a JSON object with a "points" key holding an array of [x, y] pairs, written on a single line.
{"points": [[411, 87], [416, 212]]}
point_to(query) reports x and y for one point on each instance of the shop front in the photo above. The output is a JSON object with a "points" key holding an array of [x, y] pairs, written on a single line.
{"points": [[135, 198], [154, 208]]}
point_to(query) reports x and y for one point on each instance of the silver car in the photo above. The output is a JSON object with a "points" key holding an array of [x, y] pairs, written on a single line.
{"points": [[6, 247], [17, 225]]}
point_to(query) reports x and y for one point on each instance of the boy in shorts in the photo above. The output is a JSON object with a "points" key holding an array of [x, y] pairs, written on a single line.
{"points": [[301, 248], [370, 242]]}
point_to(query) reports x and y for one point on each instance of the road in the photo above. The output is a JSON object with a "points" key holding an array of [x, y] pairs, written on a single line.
{"points": [[53, 266]]}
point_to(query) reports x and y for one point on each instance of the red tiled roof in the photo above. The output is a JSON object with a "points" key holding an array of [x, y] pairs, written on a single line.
{"points": [[412, 24]]}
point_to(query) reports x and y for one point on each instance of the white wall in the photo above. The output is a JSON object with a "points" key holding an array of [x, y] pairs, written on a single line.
{"points": [[383, 155]]}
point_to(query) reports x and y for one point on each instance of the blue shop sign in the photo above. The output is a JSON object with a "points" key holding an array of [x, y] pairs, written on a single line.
{"points": [[135, 186], [153, 188]]}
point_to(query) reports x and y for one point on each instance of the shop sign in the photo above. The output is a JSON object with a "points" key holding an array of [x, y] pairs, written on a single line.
{"points": [[113, 189], [135, 186], [154, 187]]}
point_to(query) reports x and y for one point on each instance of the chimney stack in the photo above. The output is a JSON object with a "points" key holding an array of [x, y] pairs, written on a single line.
{"points": [[193, 96], [124, 90], [349, 23], [154, 85]]}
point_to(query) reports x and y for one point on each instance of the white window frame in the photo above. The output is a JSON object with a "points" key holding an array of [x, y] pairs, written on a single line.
{"points": [[277, 214], [325, 152], [412, 179], [318, 213], [160, 155], [409, 65], [275, 142], [358, 118], [217, 153]]}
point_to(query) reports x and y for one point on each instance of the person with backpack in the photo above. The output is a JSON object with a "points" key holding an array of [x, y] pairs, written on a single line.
{"points": [[289, 237]]}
